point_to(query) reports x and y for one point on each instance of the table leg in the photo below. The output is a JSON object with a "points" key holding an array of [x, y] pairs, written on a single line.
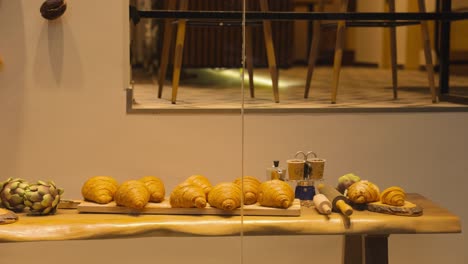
{"points": [[167, 42], [365, 249], [340, 34], [314, 49], [271, 57], [444, 58], [427, 53], [353, 249], [376, 249], [393, 51], [249, 58], [179, 50]]}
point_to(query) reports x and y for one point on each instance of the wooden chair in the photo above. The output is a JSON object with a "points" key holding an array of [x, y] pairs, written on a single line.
{"points": [[179, 49], [393, 50]]}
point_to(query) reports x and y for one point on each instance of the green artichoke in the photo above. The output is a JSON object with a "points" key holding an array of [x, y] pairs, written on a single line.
{"points": [[345, 181], [42, 198], [12, 193]]}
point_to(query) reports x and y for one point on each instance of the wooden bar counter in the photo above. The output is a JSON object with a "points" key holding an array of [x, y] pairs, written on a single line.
{"points": [[364, 229]]}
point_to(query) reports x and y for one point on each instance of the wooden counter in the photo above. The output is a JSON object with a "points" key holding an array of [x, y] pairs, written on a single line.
{"points": [[70, 225]]}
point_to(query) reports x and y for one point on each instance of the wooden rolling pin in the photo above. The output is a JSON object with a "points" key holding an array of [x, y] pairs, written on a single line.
{"points": [[339, 201], [322, 204]]}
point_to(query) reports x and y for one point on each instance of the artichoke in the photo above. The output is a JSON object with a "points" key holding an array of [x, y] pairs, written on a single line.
{"points": [[42, 198], [12, 193], [345, 181]]}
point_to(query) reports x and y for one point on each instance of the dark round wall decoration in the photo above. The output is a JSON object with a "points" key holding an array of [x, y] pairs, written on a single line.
{"points": [[53, 9]]}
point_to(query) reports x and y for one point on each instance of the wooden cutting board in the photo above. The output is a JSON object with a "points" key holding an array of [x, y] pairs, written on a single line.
{"points": [[408, 209], [165, 208], [7, 216]]}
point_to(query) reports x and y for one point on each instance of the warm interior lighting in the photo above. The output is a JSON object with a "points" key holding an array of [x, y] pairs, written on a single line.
{"points": [[261, 77]]}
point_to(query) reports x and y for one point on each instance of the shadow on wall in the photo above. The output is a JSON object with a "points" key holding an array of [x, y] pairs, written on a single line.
{"points": [[12, 84], [57, 62]]}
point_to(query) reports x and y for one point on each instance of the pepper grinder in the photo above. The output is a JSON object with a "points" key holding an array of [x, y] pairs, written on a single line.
{"points": [[275, 172]]}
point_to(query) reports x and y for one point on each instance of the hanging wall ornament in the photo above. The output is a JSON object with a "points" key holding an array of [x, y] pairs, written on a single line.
{"points": [[53, 9]]}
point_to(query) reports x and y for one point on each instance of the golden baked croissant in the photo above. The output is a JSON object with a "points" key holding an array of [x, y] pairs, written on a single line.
{"points": [[275, 193], [226, 196], [156, 188], [201, 181], [99, 189], [363, 192], [250, 188], [393, 196], [187, 195], [132, 194]]}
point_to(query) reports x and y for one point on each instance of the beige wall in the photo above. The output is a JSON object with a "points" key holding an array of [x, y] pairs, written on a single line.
{"points": [[62, 112]]}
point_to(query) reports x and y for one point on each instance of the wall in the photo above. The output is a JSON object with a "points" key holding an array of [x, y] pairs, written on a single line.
{"points": [[62, 112]]}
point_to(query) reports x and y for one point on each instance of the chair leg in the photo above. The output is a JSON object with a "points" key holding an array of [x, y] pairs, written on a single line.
{"points": [[179, 50], [270, 51], [249, 59], [167, 42], [338, 51], [427, 53], [393, 51], [314, 48]]}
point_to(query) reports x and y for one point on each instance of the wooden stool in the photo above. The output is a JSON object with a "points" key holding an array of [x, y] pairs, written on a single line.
{"points": [[393, 50], [179, 49]]}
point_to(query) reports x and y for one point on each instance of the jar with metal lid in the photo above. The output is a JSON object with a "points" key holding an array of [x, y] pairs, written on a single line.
{"points": [[305, 190]]}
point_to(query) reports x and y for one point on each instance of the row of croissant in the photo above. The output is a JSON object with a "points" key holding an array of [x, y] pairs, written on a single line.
{"points": [[195, 192]]}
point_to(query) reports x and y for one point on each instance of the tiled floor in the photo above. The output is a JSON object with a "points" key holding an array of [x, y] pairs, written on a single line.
{"points": [[361, 89]]}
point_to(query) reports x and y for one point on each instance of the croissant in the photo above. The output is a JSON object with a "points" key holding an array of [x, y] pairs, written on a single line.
{"points": [[201, 181], [275, 193], [132, 194], [363, 192], [186, 195], [99, 189], [226, 196], [156, 188], [393, 196], [250, 188]]}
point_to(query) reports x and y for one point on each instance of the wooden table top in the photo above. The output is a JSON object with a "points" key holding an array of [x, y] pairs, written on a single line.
{"points": [[68, 224]]}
